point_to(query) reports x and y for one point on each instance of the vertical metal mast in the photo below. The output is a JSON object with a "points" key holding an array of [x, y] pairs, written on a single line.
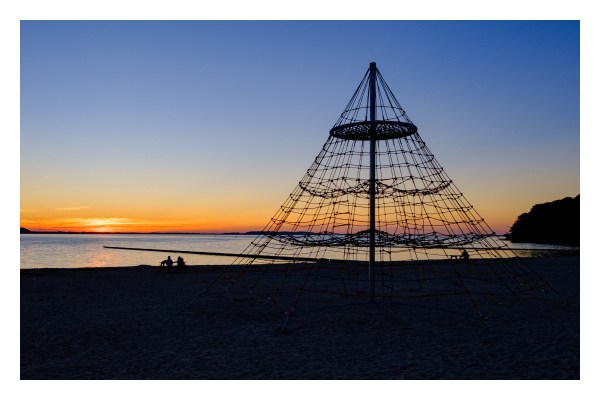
{"points": [[372, 98]]}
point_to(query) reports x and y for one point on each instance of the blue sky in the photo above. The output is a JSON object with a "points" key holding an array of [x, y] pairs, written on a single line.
{"points": [[205, 117]]}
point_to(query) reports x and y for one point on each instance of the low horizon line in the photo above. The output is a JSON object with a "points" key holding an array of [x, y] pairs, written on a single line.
{"points": [[142, 233], [162, 233]]}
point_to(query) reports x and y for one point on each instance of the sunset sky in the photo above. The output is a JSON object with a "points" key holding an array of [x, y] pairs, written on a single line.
{"points": [[207, 126]]}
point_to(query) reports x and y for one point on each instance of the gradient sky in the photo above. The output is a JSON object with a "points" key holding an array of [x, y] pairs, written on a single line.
{"points": [[207, 126]]}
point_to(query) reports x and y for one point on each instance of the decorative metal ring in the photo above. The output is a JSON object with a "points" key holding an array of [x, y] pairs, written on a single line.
{"points": [[384, 130]]}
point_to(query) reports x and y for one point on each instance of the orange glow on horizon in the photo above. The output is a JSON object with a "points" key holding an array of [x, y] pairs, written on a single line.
{"points": [[121, 225], [125, 225]]}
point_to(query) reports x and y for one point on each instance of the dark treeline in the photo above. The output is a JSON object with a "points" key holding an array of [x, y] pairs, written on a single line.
{"points": [[556, 222]]}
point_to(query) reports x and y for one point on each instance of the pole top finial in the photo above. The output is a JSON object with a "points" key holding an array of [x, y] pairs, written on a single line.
{"points": [[373, 64]]}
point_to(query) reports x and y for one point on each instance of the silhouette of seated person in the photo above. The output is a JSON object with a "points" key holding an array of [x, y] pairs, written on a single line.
{"points": [[180, 264], [464, 256], [168, 263]]}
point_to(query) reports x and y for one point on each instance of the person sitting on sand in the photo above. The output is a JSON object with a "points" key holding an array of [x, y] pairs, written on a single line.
{"points": [[464, 256], [165, 265], [180, 264]]}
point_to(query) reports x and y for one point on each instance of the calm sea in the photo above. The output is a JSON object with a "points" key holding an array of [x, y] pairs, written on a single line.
{"points": [[77, 251]]}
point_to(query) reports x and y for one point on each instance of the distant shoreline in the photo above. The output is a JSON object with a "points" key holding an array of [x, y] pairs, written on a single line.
{"points": [[133, 233], [162, 233], [149, 233]]}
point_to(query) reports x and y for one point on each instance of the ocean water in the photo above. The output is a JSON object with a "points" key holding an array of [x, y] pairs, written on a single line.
{"points": [[86, 250]]}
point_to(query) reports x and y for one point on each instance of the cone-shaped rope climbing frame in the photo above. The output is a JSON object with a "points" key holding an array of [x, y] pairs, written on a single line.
{"points": [[383, 222]]}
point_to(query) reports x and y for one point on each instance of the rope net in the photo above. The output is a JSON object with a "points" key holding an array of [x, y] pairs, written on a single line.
{"points": [[423, 226]]}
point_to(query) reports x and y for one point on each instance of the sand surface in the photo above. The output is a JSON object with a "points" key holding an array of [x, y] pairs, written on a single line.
{"points": [[122, 323]]}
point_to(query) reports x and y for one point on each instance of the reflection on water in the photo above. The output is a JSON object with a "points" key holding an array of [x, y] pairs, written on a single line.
{"points": [[541, 250], [77, 251], [85, 251]]}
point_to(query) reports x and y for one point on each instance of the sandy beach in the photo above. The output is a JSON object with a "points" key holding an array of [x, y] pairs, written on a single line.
{"points": [[123, 323]]}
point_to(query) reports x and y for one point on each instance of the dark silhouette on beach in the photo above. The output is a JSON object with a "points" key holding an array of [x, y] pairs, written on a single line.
{"points": [[556, 222], [180, 264], [166, 265]]}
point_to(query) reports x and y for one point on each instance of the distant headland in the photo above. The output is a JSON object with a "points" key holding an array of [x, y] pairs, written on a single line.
{"points": [[556, 222]]}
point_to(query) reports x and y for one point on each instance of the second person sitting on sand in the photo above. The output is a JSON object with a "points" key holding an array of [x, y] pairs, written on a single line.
{"points": [[180, 264]]}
